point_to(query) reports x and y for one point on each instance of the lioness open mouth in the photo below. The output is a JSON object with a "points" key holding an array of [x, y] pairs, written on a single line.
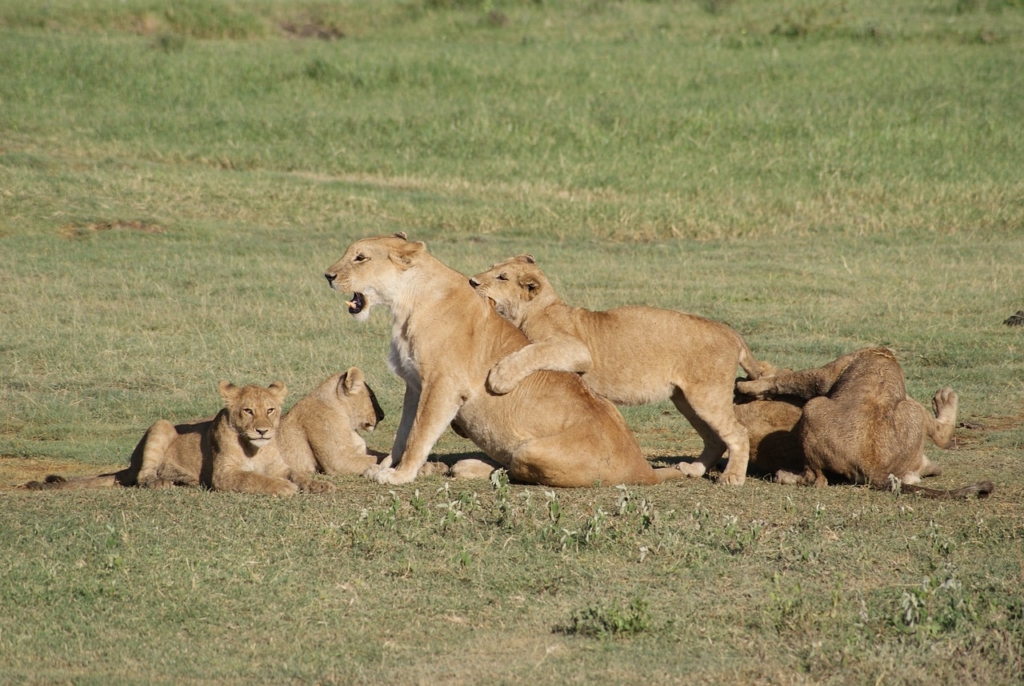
{"points": [[356, 304]]}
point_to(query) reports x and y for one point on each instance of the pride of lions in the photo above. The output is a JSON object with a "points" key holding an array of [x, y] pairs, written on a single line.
{"points": [[531, 380]]}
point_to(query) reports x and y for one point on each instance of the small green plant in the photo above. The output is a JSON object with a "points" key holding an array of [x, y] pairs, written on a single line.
{"points": [[554, 509], [388, 517], [609, 621], [935, 607]]}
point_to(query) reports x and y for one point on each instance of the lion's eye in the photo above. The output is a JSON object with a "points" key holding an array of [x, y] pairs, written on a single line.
{"points": [[360, 258], [501, 277], [270, 411], [249, 412]]}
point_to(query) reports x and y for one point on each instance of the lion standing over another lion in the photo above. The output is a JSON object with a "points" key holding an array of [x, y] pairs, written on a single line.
{"points": [[857, 423], [549, 430], [631, 355]]}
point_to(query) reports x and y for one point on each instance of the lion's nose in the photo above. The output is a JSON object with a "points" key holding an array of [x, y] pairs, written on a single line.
{"points": [[473, 282], [261, 432], [330, 278]]}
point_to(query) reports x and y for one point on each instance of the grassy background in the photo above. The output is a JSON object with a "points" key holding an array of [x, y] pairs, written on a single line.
{"points": [[175, 176]]}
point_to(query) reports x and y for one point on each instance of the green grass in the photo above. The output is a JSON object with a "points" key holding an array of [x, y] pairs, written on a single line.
{"points": [[175, 177]]}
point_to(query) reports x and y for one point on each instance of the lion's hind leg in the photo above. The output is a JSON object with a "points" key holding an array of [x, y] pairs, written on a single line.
{"points": [[714, 447], [940, 429], [150, 453], [716, 422]]}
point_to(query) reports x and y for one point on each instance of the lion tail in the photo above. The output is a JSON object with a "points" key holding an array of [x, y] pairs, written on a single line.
{"points": [[56, 482], [981, 489]]}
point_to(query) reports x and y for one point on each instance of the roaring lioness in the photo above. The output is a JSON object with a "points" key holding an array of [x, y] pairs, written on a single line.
{"points": [[631, 355], [857, 423], [238, 450], [550, 430]]}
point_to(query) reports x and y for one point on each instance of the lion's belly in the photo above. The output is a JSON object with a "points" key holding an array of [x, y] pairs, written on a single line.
{"points": [[624, 388]]}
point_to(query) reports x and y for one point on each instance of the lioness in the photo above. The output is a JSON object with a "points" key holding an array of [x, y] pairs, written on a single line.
{"points": [[550, 430], [235, 451], [631, 355], [857, 423]]}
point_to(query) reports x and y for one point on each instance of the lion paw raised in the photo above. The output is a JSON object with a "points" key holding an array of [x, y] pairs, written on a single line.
{"points": [[945, 403]]}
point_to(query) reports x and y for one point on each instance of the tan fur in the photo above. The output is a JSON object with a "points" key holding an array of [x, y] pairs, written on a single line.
{"points": [[774, 444], [858, 423], [229, 452], [550, 430], [631, 355], [319, 434]]}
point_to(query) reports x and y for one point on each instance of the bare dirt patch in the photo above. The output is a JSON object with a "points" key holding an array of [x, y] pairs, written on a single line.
{"points": [[71, 231], [308, 28]]}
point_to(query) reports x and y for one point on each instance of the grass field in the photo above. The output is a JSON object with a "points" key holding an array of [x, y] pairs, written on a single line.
{"points": [[175, 176]]}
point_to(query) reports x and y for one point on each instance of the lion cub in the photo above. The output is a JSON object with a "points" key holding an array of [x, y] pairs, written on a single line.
{"points": [[631, 355], [319, 433], [857, 423], [240, 448]]}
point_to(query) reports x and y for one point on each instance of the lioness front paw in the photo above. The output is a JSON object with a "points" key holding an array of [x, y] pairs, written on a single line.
{"points": [[499, 381], [390, 476], [733, 479]]}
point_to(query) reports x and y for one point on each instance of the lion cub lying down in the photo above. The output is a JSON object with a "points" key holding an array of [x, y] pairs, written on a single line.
{"points": [[857, 423], [631, 355], [318, 434], [444, 339]]}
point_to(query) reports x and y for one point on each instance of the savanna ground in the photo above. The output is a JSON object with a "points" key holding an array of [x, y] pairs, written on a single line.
{"points": [[176, 175]]}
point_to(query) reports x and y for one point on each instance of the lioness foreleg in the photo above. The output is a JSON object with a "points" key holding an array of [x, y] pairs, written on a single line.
{"points": [[437, 407], [410, 402], [553, 355]]}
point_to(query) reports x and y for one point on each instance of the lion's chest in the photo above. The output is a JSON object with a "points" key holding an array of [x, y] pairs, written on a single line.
{"points": [[401, 360]]}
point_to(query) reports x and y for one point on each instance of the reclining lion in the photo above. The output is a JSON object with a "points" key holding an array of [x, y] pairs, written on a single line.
{"points": [[631, 355], [857, 423], [317, 434], [444, 339]]}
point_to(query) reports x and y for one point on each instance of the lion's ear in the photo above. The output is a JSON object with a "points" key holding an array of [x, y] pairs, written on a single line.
{"points": [[400, 234], [405, 255], [278, 389], [527, 258], [530, 284], [228, 391], [352, 381]]}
